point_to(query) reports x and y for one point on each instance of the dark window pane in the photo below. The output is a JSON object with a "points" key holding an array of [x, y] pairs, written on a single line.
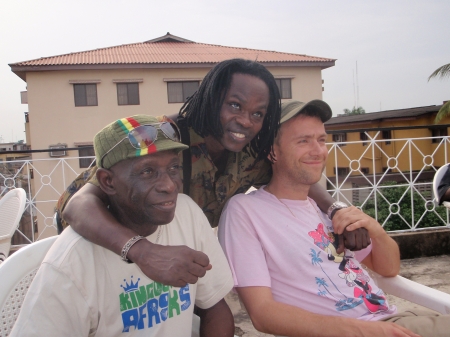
{"points": [[189, 88], [80, 94], [86, 152]]}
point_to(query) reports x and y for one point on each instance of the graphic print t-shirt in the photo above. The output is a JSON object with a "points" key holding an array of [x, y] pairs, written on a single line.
{"points": [[84, 290], [295, 255]]}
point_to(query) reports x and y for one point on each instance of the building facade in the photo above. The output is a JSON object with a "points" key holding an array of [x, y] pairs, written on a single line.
{"points": [[70, 97]]}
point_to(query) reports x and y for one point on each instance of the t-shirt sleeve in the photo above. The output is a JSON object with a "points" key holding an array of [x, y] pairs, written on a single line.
{"points": [[362, 254], [242, 247], [54, 313], [218, 281]]}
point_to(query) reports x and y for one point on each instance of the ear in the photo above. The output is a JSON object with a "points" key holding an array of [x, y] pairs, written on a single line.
{"points": [[272, 157], [105, 179]]}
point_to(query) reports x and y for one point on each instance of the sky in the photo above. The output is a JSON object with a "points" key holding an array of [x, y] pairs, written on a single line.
{"points": [[385, 50]]}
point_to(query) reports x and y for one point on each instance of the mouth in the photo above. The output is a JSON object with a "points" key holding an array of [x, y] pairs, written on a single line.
{"points": [[166, 206], [238, 136]]}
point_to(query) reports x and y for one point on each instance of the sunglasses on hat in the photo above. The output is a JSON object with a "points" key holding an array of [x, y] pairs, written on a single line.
{"points": [[143, 136]]}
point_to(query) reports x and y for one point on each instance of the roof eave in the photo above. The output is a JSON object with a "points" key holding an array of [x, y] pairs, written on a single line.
{"points": [[22, 70]]}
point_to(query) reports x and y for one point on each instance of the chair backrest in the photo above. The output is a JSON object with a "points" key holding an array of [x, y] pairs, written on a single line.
{"points": [[436, 181], [12, 206], [16, 274]]}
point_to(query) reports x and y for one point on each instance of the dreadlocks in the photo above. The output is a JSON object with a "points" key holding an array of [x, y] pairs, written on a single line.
{"points": [[202, 110]]}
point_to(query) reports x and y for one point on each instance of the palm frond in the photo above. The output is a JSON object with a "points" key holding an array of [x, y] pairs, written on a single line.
{"points": [[443, 112], [441, 72]]}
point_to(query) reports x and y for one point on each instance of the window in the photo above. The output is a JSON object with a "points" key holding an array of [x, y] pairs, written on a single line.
{"points": [[128, 93], [340, 138], [86, 152], [178, 92], [58, 150], [341, 171], [363, 136], [438, 132], [386, 134], [364, 170], [85, 94], [284, 87]]}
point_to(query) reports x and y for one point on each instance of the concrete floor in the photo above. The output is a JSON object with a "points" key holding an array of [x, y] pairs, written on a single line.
{"points": [[430, 271]]}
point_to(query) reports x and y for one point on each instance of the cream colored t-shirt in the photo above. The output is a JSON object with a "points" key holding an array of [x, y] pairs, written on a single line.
{"points": [[83, 289]]}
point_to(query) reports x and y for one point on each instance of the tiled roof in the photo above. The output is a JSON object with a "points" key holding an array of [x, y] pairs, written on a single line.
{"points": [[383, 115], [169, 49]]}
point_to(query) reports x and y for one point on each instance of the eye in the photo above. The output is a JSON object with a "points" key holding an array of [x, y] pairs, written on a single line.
{"points": [[175, 169], [148, 171], [258, 114], [235, 106]]}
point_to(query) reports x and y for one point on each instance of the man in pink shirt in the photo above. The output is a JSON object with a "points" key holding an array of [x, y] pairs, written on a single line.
{"points": [[283, 250]]}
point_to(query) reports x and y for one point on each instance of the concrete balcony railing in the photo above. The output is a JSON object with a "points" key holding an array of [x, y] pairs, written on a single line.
{"points": [[391, 182]]}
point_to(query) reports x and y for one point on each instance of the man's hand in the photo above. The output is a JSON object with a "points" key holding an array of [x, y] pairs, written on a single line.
{"points": [[169, 265], [353, 228]]}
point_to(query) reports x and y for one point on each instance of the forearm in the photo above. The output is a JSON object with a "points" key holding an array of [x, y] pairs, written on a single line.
{"points": [[320, 195], [272, 317], [216, 321], [385, 256]]}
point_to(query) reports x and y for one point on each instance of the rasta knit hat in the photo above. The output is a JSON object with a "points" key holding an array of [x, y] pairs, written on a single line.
{"points": [[113, 143], [293, 108]]}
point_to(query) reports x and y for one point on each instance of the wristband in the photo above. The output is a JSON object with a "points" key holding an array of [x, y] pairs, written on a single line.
{"points": [[334, 207], [128, 245]]}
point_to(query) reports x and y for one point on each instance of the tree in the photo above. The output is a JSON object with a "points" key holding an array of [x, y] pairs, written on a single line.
{"points": [[442, 72], [355, 111]]}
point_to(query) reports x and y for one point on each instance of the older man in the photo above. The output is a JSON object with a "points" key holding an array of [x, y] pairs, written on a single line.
{"points": [[283, 250], [83, 289]]}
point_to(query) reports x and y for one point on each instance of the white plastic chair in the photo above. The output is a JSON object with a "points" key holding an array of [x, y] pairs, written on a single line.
{"points": [[16, 274], [436, 181], [12, 206], [414, 292]]}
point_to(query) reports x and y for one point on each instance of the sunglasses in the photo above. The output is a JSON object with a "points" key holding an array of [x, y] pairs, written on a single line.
{"points": [[143, 136]]}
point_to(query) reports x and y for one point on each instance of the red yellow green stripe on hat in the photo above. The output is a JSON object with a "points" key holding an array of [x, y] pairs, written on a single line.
{"points": [[127, 124]]}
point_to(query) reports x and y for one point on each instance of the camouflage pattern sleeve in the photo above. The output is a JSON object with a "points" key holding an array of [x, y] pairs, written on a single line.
{"points": [[84, 177]]}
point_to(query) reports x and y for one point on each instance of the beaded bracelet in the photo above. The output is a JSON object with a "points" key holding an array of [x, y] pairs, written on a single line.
{"points": [[128, 245]]}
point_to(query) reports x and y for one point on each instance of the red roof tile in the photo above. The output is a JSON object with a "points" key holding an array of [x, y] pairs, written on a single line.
{"points": [[166, 51]]}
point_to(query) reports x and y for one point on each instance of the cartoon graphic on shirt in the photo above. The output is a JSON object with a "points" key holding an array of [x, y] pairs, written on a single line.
{"points": [[148, 305], [327, 242], [348, 270]]}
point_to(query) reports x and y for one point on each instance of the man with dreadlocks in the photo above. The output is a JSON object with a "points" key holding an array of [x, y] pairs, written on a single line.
{"points": [[231, 123]]}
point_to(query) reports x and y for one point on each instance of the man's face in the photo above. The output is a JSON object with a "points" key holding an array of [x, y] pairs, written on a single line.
{"points": [[146, 188], [300, 150], [243, 111]]}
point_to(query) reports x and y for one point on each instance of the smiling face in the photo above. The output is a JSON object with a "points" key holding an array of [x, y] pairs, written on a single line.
{"points": [[300, 151], [145, 190], [242, 113]]}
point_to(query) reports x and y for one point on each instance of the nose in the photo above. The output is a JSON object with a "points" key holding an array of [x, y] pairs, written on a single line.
{"points": [[316, 148], [244, 119], [165, 183]]}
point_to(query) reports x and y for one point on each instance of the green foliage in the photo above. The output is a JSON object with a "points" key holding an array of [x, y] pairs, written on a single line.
{"points": [[402, 196], [442, 72], [355, 111]]}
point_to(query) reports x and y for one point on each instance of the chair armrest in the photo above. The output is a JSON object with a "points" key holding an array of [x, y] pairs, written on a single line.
{"points": [[414, 292]]}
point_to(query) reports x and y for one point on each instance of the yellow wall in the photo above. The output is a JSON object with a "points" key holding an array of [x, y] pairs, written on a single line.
{"points": [[423, 152]]}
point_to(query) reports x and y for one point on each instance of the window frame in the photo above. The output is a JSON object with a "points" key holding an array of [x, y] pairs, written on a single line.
{"points": [[85, 99], [386, 134], [340, 138], [284, 88], [438, 132], [83, 161], [184, 95], [129, 94]]}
